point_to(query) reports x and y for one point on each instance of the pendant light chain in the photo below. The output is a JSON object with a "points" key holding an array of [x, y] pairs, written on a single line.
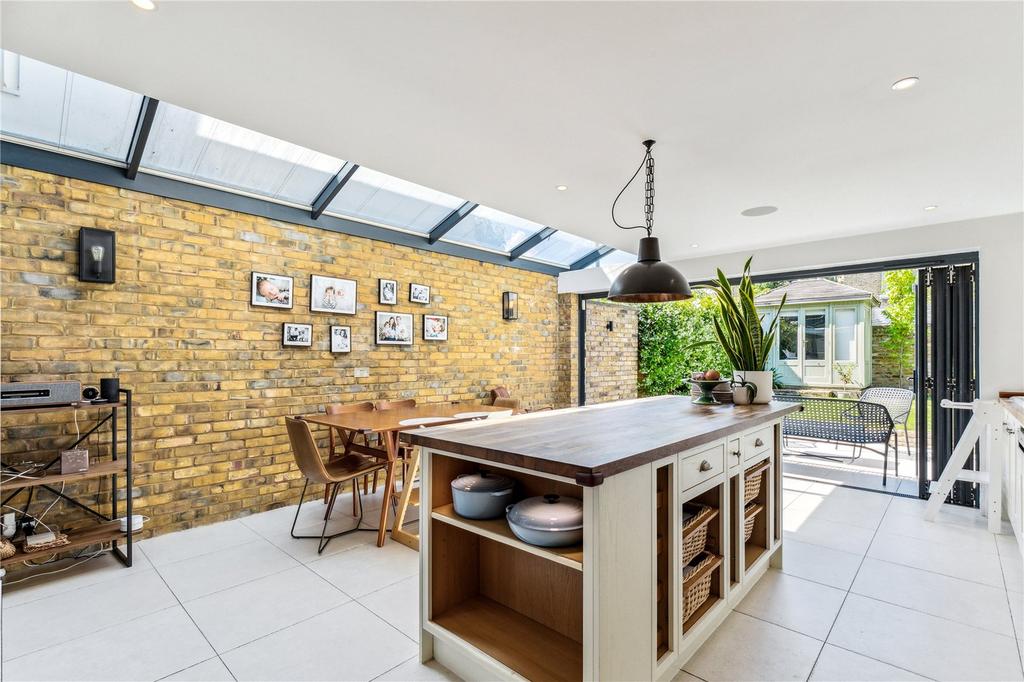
{"points": [[649, 194]]}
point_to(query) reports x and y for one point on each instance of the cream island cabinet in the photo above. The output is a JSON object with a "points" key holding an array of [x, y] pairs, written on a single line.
{"points": [[611, 608]]}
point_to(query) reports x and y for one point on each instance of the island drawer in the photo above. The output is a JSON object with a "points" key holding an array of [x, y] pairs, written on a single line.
{"points": [[758, 442], [701, 466]]}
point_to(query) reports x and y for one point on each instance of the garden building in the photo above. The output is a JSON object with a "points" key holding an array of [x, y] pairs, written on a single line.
{"points": [[824, 337]]}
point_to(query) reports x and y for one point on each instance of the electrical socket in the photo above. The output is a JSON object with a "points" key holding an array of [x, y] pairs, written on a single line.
{"points": [[361, 372], [9, 526]]}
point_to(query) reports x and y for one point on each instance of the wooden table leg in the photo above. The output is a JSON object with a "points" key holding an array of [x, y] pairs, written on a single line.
{"points": [[391, 440], [398, 533]]}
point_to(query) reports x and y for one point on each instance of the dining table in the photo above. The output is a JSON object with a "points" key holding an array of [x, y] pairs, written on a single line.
{"points": [[388, 425]]}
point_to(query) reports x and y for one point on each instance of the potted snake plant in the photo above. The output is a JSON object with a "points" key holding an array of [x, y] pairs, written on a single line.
{"points": [[746, 338]]}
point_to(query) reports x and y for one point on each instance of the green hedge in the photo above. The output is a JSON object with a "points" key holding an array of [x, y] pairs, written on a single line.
{"points": [[665, 329]]}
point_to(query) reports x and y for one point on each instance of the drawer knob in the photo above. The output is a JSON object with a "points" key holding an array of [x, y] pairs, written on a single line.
{"points": [[758, 443], [736, 454], [705, 466]]}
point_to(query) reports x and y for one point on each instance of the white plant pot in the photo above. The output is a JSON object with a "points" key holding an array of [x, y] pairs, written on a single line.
{"points": [[762, 380]]}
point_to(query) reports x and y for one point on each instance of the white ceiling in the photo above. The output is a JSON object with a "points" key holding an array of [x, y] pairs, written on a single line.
{"points": [[751, 103]]}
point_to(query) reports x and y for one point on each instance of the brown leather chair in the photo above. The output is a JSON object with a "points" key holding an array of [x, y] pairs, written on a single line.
{"points": [[498, 393], [347, 438], [348, 468], [395, 404], [512, 403]]}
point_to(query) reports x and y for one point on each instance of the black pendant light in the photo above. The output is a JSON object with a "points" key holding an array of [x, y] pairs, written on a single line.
{"points": [[649, 280]]}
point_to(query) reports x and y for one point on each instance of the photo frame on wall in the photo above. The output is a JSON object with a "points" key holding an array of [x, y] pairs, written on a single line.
{"points": [[296, 334], [332, 295], [393, 329], [435, 328], [387, 291], [271, 291], [341, 339], [419, 293]]}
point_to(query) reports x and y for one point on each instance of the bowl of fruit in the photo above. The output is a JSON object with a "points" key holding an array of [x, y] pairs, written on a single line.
{"points": [[706, 382]]}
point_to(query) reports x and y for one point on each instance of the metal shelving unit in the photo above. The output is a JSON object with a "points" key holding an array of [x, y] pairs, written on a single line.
{"points": [[118, 467]]}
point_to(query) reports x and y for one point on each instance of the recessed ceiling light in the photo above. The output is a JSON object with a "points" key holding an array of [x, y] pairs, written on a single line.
{"points": [[694, 246], [930, 208], [905, 83], [562, 188], [144, 4], [759, 211]]}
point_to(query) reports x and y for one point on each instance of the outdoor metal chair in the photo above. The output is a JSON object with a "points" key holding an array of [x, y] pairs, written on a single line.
{"points": [[836, 420], [899, 402]]}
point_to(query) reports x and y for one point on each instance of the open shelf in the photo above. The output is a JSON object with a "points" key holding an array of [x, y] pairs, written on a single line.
{"points": [[699, 613], [95, 471], [498, 530], [759, 541], [520, 609], [534, 651], [60, 408], [104, 532], [752, 552], [715, 545]]}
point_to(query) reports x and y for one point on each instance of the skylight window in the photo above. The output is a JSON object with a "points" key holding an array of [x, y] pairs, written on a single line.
{"points": [[491, 229], [50, 105], [379, 198], [561, 248], [198, 147], [614, 259]]}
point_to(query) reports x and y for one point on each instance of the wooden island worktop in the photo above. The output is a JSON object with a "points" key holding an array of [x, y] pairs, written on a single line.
{"points": [[494, 607]]}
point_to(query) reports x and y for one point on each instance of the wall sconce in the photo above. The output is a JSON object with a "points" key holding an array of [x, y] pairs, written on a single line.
{"points": [[97, 251], [510, 305], [610, 326]]}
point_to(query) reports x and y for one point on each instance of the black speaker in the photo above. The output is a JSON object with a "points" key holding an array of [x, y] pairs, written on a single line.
{"points": [[109, 389]]}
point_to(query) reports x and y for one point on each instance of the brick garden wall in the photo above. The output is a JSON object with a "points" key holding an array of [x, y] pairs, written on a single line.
{"points": [[611, 355], [211, 380], [885, 370]]}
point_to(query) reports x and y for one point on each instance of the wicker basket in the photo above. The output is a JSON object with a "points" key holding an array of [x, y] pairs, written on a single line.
{"points": [[697, 583], [752, 482], [695, 532], [750, 513], [7, 549]]}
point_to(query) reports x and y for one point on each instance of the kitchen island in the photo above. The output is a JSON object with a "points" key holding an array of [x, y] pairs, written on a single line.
{"points": [[621, 605]]}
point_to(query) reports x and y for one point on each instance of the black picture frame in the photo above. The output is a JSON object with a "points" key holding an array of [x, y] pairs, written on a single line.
{"points": [[403, 318], [103, 271], [347, 341], [296, 343], [349, 303], [429, 336], [387, 291], [283, 282], [419, 293]]}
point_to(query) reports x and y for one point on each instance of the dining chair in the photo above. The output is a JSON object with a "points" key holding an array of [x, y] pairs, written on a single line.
{"points": [[404, 451], [347, 438], [512, 403], [345, 469]]}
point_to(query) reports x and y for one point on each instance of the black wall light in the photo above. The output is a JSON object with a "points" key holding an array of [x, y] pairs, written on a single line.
{"points": [[97, 255], [510, 305]]}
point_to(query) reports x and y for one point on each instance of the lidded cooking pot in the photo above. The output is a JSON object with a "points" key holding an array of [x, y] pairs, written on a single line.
{"points": [[547, 521], [483, 495]]}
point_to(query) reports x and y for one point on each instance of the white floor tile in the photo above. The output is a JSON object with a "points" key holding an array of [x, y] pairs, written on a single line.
{"points": [[683, 676], [789, 496], [744, 648], [931, 646], [902, 549], [240, 614], [84, 573], [839, 665], [146, 648], [211, 670], [185, 544], [368, 568], [208, 573], [820, 564], [797, 484], [954, 537], [1008, 547], [853, 507], [1016, 603], [966, 602], [346, 643], [1013, 573], [794, 603], [414, 671], [61, 617], [398, 605], [815, 531]]}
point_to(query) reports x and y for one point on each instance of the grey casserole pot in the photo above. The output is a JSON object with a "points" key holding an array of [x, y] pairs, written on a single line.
{"points": [[548, 521], [481, 496]]}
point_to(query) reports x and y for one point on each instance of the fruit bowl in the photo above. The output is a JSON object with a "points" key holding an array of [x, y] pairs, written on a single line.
{"points": [[707, 386]]}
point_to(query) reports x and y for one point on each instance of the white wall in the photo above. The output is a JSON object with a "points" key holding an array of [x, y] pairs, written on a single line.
{"points": [[999, 241]]}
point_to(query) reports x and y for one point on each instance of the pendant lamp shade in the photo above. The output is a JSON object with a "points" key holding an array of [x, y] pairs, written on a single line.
{"points": [[649, 280]]}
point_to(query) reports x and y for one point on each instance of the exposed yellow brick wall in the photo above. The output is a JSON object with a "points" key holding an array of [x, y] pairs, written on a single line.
{"points": [[611, 355], [211, 381]]}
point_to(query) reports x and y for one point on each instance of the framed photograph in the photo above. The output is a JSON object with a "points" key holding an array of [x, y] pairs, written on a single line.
{"points": [[435, 328], [271, 291], [419, 293], [341, 339], [332, 295], [388, 291], [296, 334], [393, 329]]}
